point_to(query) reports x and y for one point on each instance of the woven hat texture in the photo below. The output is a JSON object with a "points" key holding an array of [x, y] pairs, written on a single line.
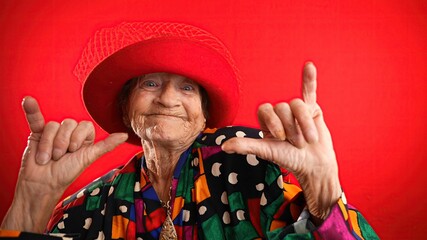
{"points": [[109, 40]]}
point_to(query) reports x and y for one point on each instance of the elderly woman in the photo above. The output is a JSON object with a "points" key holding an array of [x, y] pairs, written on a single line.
{"points": [[192, 180]]}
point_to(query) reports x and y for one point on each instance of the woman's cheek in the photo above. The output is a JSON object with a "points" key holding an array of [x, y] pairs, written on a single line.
{"points": [[137, 125]]}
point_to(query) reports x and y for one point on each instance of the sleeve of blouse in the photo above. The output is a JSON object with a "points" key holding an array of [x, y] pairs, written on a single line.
{"points": [[343, 222]]}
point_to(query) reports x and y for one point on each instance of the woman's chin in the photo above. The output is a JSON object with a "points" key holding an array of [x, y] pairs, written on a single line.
{"points": [[161, 133], [168, 132]]}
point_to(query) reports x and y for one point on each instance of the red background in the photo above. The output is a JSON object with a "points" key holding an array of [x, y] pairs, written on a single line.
{"points": [[371, 76]]}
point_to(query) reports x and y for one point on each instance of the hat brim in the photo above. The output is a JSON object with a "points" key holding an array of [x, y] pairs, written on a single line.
{"points": [[167, 54]]}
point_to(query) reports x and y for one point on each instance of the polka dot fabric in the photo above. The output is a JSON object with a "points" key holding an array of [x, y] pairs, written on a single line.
{"points": [[214, 196]]}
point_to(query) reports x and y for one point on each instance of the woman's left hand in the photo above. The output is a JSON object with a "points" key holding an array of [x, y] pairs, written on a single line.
{"points": [[297, 139]]}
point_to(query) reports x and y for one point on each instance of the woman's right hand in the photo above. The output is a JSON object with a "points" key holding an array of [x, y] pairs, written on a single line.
{"points": [[55, 155]]}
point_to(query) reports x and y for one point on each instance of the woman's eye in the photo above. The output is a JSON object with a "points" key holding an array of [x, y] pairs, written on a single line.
{"points": [[188, 88], [149, 84]]}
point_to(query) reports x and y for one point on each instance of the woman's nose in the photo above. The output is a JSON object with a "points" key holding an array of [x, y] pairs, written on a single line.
{"points": [[169, 96]]}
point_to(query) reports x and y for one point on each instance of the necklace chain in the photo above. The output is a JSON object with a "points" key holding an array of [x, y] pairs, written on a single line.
{"points": [[168, 231], [166, 205]]}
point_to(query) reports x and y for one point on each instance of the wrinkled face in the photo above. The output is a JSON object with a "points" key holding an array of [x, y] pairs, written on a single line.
{"points": [[166, 108]]}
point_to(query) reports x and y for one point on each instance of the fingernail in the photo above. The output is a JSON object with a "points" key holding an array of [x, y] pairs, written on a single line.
{"points": [[281, 136], [229, 151], [57, 153], [125, 136], [42, 158], [73, 147], [224, 147]]}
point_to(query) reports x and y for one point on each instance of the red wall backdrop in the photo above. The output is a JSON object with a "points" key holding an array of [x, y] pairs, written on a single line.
{"points": [[372, 82]]}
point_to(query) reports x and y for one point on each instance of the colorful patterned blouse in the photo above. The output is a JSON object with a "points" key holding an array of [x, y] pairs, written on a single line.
{"points": [[215, 195]]}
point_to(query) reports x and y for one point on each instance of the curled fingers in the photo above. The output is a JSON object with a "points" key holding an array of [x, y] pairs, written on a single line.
{"points": [[304, 117], [82, 135], [270, 123], [292, 131], [44, 149], [62, 139]]}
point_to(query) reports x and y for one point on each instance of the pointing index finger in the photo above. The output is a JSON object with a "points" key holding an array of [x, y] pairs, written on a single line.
{"points": [[33, 114], [309, 84]]}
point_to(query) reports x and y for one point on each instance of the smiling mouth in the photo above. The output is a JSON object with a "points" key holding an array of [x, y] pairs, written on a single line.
{"points": [[163, 115]]}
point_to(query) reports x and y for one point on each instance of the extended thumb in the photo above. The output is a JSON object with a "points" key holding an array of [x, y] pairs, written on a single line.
{"points": [[244, 146], [108, 144]]}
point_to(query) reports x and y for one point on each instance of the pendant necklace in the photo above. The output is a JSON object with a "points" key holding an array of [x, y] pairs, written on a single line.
{"points": [[168, 231]]}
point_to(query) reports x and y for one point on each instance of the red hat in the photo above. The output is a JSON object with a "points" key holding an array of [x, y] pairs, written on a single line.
{"points": [[117, 54]]}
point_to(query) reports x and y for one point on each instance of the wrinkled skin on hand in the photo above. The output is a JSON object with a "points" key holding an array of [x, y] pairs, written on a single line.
{"points": [[55, 156], [296, 138]]}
